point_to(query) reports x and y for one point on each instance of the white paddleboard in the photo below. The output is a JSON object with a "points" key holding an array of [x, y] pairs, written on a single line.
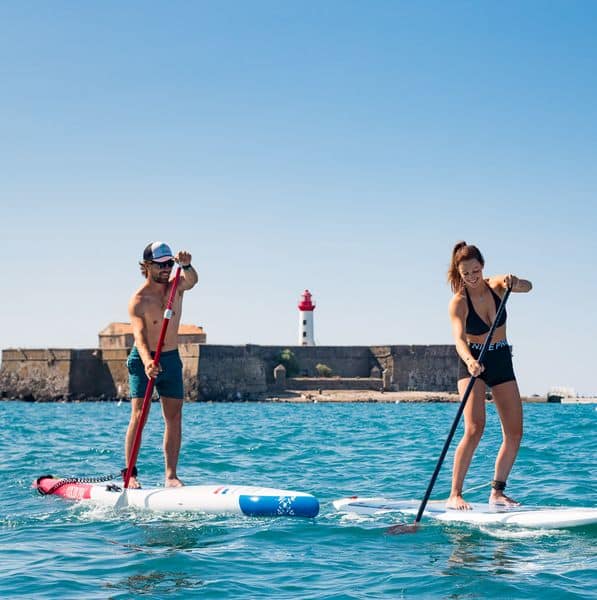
{"points": [[481, 514], [214, 499]]}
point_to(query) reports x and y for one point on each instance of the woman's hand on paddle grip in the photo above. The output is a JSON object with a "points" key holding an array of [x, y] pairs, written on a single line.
{"points": [[475, 368], [510, 281]]}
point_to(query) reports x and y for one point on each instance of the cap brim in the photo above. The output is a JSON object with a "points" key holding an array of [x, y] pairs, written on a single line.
{"points": [[163, 259]]}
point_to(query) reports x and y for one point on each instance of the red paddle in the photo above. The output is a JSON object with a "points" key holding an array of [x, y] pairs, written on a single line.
{"points": [[132, 459]]}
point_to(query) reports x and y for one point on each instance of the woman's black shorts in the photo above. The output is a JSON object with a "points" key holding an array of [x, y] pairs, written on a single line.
{"points": [[497, 363]]}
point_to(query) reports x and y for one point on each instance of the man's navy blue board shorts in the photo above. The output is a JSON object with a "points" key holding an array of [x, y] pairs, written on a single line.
{"points": [[169, 381]]}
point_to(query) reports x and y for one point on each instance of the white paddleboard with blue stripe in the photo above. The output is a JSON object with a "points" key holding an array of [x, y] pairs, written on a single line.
{"points": [[247, 500], [481, 514]]}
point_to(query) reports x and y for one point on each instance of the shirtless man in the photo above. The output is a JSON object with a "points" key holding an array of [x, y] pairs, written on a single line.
{"points": [[146, 311], [472, 310]]}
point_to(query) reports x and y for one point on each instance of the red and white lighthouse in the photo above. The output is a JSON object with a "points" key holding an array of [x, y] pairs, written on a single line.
{"points": [[306, 308]]}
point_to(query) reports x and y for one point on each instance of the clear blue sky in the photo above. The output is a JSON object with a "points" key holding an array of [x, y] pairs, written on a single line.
{"points": [[337, 146]]}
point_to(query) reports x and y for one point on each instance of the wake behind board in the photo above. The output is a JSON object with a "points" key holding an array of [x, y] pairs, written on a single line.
{"points": [[481, 514], [247, 500]]}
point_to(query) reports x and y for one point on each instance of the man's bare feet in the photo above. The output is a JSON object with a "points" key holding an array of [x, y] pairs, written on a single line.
{"points": [[173, 482], [499, 498], [134, 484], [457, 502]]}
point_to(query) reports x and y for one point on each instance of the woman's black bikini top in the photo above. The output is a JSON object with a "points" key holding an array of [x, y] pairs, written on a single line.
{"points": [[475, 325]]}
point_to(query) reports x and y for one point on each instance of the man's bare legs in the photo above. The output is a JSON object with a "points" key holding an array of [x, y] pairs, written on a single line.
{"points": [[136, 409], [172, 411]]}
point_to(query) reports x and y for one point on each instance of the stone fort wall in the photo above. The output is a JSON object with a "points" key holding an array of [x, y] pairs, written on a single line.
{"points": [[218, 372]]}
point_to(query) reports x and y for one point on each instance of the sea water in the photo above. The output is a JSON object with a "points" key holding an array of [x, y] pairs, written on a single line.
{"points": [[51, 547]]}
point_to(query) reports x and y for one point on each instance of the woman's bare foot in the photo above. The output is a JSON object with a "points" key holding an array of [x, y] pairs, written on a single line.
{"points": [[134, 484], [457, 502], [173, 482], [499, 498]]}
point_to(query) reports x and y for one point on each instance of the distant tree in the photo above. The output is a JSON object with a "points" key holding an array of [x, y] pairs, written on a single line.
{"points": [[323, 370], [288, 359]]}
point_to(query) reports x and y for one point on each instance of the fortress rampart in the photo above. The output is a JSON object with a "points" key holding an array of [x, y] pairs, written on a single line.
{"points": [[218, 372]]}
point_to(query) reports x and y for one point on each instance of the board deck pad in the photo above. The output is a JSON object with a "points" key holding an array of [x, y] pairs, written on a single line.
{"points": [[481, 514]]}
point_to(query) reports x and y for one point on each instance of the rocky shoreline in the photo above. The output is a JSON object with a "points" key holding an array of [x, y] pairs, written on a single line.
{"points": [[295, 396], [374, 396]]}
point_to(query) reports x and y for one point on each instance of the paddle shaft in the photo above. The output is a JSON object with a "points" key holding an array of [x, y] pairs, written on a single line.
{"points": [[467, 393], [132, 459]]}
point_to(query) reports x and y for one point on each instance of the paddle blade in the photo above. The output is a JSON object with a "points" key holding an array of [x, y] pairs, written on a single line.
{"points": [[400, 528], [122, 501]]}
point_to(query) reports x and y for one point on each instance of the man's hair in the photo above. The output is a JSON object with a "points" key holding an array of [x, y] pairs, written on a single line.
{"points": [[144, 267]]}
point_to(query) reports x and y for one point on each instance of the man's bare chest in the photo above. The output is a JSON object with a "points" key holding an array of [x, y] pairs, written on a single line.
{"points": [[155, 308]]}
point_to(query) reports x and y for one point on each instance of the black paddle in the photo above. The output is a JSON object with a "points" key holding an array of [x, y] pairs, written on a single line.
{"points": [[405, 528]]}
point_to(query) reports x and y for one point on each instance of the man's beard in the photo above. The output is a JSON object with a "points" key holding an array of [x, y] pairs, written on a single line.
{"points": [[161, 277]]}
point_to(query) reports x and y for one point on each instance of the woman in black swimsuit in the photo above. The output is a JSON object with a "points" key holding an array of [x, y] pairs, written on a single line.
{"points": [[472, 310]]}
